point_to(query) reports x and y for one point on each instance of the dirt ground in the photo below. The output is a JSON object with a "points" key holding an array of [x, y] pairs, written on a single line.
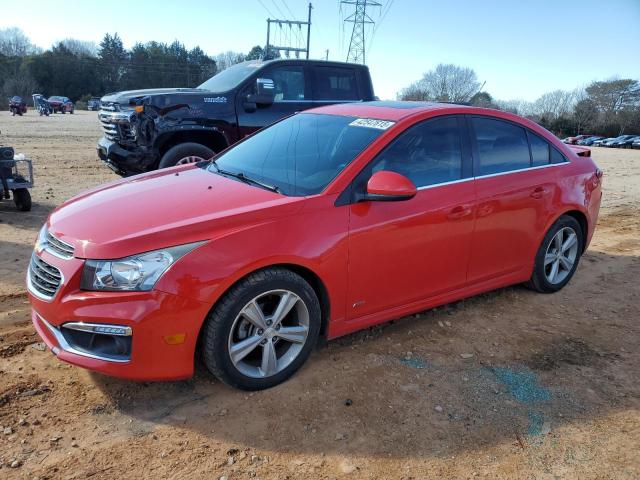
{"points": [[510, 384]]}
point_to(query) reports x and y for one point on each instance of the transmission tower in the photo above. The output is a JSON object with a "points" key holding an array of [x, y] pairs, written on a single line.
{"points": [[359, 18]]}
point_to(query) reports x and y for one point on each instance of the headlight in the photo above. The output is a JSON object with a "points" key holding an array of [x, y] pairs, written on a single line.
{"points": [[135, 273]]}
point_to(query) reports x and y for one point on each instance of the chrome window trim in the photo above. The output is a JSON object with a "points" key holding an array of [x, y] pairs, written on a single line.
{"points": [[34, 291], [64, 345], [480, 177]]}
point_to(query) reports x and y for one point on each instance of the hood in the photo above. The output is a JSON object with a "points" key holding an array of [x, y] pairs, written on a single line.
{"points": [[163, 208], [123, 97]]}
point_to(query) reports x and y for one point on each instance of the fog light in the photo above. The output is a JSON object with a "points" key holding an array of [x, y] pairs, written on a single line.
{"points": [[175, 339]]}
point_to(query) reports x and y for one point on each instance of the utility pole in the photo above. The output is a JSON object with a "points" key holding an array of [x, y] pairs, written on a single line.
{"points": [[359, 18], [291, 24], [326, 57]]}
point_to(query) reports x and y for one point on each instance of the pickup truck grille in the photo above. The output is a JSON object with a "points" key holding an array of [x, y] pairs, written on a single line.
{"points": [[116, 124], [44, 279]]}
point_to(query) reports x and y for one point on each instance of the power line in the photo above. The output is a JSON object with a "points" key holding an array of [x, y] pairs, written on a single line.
{"points": [[383, 15]]}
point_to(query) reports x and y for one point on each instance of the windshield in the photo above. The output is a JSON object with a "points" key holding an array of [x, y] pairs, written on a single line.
{"points": [[230, 77], [301, 154]]}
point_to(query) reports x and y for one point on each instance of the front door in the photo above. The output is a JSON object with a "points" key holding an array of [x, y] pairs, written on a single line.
{"points": [[292, 94], [406, 251]]}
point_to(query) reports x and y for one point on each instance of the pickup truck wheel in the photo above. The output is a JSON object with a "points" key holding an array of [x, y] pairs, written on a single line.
{"points": [[185, 153]]}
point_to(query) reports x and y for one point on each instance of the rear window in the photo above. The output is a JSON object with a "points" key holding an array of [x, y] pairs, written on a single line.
{"points": [[335, 83]]}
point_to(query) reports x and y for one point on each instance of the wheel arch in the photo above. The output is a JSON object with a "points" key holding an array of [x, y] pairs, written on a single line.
{"points": [[582, 220], [311, 277], [213, 139]]}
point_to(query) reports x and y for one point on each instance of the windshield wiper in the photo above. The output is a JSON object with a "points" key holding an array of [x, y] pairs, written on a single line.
{"points": [[243, 178]]}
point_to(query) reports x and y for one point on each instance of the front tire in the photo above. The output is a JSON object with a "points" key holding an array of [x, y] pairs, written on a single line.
{"points": [[185, 153], [558, 256], [262, 330]]}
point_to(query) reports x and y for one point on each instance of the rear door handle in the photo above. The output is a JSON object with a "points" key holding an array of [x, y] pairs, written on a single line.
{"points": [[539, 192], [458, 212]]}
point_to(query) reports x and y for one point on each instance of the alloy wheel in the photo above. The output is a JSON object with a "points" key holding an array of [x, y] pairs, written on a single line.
{"points": [[268, 334], [561, 255]]}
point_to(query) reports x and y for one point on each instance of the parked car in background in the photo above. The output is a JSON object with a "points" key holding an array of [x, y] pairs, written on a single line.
{"points": [[324, 223], [61, 104], [17, 106], [589, 140], [149, 129], [93, 104], [598, 143], [628, 143], [617, 141], [576, 139], [636, 143]]}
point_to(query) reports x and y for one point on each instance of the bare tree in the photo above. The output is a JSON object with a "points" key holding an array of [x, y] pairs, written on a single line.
{"points": [[446, 83], [554, 104], [14, 43], [21, 84], [226, 59], [80, 47], [611, 96]]}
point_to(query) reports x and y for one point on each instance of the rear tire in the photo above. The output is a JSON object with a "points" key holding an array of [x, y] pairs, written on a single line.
{"points": [[558, 256], [185, 153], [22, 199], [230, 330]]}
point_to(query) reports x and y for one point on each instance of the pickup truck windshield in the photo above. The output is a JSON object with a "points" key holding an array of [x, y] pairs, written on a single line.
{"points": [[301, 154], [230, 77]]}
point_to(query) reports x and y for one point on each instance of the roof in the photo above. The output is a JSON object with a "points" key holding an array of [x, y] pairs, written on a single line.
{"points": [[385, 110], [302, 60]]}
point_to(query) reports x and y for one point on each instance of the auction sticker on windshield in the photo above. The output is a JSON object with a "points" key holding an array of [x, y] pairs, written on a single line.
{"points": [[372, 123]]}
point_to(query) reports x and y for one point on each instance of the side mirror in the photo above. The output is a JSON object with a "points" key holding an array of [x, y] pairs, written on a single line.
{"points": [[387, 186], [265, 92]]}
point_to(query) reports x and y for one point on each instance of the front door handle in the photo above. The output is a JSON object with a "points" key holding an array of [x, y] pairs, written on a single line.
{"points": [[458, 212], [539, 192]]}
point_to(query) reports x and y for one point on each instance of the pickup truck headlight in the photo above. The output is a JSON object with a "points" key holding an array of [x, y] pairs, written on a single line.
{"points": [[136, 273]]}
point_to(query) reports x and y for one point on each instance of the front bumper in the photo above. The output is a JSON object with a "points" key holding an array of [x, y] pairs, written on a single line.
{"points": [[155, 319], [122, 161]]}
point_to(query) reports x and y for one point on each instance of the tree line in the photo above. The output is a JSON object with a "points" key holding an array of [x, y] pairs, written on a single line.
{"points": [[79, 69], [608, 107]]}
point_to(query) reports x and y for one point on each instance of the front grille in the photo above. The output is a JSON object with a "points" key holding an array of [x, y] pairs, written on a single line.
{"points": [[44, 279], [58, 247], [116, 124]]}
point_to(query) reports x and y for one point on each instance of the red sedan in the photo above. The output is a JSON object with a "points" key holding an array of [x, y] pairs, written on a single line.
{"points": [[61, 104], [325, 223]]}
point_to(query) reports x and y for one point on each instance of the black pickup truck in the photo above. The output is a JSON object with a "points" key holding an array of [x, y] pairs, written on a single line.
{"points": [[157, 128]]}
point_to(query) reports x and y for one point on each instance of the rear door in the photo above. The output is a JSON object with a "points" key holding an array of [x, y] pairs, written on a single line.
{"points": [[405, 251], [515, 185], [292, 94]]}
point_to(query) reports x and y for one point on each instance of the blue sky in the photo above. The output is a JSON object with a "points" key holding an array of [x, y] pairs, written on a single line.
{"points": [[522, 49]]}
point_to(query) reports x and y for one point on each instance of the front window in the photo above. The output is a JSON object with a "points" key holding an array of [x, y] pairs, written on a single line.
{"points": [[301, 154], [230, 77]]}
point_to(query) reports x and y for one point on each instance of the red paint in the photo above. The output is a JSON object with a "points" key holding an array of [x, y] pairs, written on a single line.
{"points": [[390, 184], [376, 260]]}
